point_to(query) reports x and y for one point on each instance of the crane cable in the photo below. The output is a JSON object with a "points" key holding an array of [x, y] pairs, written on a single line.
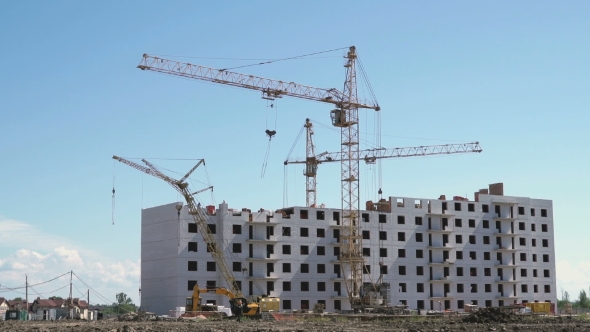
{"points": [[283, 59], [270, 133], [113, 199]]}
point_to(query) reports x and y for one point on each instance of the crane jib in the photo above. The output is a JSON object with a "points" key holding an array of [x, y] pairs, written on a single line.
{"points": [[269, 87]]}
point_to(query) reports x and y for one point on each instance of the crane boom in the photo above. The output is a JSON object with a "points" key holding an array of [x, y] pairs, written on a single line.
{"points": [[199, 217], [371, 155], [270, 88]]}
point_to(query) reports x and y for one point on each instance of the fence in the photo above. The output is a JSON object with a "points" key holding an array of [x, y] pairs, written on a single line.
{"points": [[574, 311]]}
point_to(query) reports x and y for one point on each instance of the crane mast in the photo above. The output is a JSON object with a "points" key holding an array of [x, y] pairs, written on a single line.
{"points": [[345, 116], [199, 217], [347, 119], [311, 166]]}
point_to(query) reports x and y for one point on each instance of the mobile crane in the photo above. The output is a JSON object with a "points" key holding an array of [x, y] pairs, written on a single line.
{"points": [[257, 304]]}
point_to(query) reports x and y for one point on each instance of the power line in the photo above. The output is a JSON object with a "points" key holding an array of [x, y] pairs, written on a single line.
{"points": [[41, 283], [92, 289], [83, 295], [8, 289]]}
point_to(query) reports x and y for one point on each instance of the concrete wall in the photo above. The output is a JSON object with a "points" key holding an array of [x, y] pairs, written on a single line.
{"points": [[165, 272], [159, 256]]}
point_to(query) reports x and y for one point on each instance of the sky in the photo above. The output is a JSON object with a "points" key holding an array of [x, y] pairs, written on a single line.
{"points": [[512, 75]]}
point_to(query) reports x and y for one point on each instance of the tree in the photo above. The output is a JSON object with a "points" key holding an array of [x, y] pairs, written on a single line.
{"points": [[583, 300], [123, 299], [565, 298], [18, 299], [123, 305]]}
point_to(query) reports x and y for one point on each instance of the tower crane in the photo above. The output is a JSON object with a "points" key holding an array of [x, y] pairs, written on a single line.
{"points": [[370, 156], [345, 116]]}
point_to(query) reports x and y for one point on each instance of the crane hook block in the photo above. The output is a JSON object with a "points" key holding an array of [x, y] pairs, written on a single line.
{"points": [[270, 133]]}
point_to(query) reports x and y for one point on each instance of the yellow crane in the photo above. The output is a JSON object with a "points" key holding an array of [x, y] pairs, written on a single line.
{"points": [[370, 156], [198, 215], [345, 116], [260, 303]]}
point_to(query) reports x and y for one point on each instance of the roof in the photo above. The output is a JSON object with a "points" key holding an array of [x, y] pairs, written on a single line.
{"points": [[14, 304], [58, 303], [79, 303], [2, 300], [50, 303]]}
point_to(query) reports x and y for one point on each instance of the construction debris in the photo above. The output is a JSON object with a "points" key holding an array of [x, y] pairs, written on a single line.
{"points": [[491, 315]]}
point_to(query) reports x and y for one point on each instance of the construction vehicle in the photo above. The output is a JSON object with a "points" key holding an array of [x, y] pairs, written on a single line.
{"points": [[254, 308], [258, 304], [470, 307], [540, 307]]}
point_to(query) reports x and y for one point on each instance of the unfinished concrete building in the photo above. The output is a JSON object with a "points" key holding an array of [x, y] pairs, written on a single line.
{"points": [[435, 254]]}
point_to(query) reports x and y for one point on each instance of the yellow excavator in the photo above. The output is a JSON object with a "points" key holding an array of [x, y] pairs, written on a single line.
{"points": [[254, 308]]}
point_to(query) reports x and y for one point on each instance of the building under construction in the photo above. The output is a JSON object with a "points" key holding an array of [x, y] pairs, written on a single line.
{"points": [[432, 254]]}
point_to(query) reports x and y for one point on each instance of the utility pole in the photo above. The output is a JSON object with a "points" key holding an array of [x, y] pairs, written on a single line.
{"points": [[27, 294], [70, 286]]}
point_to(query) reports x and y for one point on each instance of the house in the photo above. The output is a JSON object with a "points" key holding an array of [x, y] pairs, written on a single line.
{"points": [[52, 309], [81, 309], [18, 305], [3, 307], [49, 309]]}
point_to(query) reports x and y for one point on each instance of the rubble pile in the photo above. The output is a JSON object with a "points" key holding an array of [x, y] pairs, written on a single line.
{"points": [[490, 315], [134, 317]]}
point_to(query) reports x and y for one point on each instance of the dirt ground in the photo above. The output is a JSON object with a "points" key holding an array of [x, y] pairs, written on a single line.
{"points": [[313, 323]]}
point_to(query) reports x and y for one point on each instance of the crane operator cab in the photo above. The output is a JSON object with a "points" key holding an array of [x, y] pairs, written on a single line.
{"points": [[338, 118]]}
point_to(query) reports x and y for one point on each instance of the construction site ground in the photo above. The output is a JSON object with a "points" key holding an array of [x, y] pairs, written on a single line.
{"points": [[480, 321]]}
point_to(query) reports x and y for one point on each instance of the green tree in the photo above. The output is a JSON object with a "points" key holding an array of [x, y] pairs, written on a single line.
{"points": [[583, 300], [18, 299], [565, 298], [123, 305], [123, 299]]}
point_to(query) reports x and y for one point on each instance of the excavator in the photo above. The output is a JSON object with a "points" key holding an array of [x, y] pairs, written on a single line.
{"points": [[253, 308]]}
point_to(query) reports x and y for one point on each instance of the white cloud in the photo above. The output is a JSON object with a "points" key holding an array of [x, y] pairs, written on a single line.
{"points": [[18, 266], [70, 256], [47, 257], [573, 278]]}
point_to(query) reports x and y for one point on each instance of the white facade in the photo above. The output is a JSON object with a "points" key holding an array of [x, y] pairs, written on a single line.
{"points": [[495, 251]]}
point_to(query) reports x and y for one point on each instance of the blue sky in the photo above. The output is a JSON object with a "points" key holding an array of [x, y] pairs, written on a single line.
{"points": [[511, 75]]}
